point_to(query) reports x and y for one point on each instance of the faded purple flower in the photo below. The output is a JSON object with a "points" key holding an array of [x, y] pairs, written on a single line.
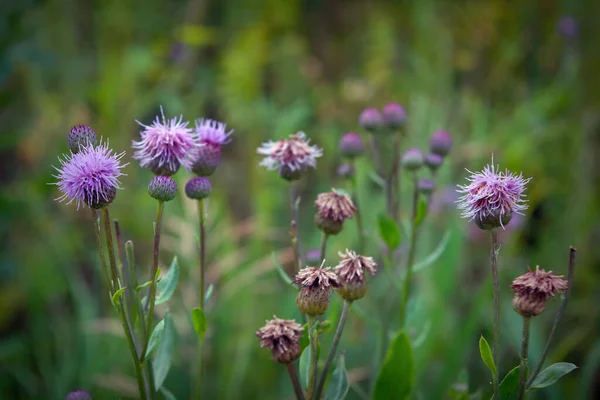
{"points": [[532, 290], [492, 197], [351, 272], [165, 145], [315, 284], [568, 27], [90, 177], [281, 336], [291, 157], [79, 395]]}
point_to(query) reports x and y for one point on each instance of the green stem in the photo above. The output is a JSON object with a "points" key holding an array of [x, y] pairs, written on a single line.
{"points": [[496, 289], [152, 295], [523, 363], [97, 231], [293, 372], [334, 346], [295, 234], [314, 356], [559, 314], [202, 229], [395, 177], [411, 254], [324, 238], [145, 393], [358, 214]]}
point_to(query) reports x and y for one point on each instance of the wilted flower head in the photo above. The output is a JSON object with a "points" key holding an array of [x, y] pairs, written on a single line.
{"points": [[333, 208], [351, 271], [315, 284], [532, 290], [281, 336], [79, 395], [81, 136], [492, 197], [90, 177], [165, 145], [291, 157], [211, 135]]}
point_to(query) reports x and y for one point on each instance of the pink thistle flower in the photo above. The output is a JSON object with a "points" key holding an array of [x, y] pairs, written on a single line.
{"points": [[492, 197], [211, 136], [291, 156], [90, 177], [165, 145], [281, 336], [212, 132]]}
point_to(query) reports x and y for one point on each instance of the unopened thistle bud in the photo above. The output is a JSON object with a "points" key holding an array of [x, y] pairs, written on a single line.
{"points": [[345, 171], [282, 337], [394, 115], [333, 208], [198, 188], [412, 159], [433, 161], [351, 271], [370, 119], [440, 143], [426, 186], [351, 145], [81, 136], [491, 197], [533, 289], [162, 188], [79, 395], [315, 284]]}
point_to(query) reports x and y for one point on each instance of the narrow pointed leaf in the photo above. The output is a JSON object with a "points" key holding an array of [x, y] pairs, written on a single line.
{"points": [[166, 286], [284, 276], [304, 366], [397, 375], [117, 295], [553, 373], [486, 355], [509, 386], [164, 352], [155, 337], [421, 212], [338, 385], [199, 321], [389, 231], [209, 293], [143, 285]]}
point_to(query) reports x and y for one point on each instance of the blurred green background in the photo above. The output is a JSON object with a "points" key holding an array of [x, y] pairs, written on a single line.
{"points": [[518, 79]]}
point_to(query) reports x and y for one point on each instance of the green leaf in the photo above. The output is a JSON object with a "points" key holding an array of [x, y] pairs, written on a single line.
{"points": [[510, 385], [339, 385], [397, 375], [168, 283], [115, 297], [167, 394], [209, 292], [164, 352], [486, 355], [304, 366], [155, 337], [435, 255], [553, 373], [324, 326], [421, 212], [389, 231], [199, 321], [143, 285], [284, 276], [377, 179]]}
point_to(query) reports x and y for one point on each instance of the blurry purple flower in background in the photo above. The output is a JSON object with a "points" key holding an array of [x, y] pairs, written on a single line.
{"points": [[568, 27], [90, 177], [291, 157], [179, 51], [443, 199], [491, 197], [165, 145], [79, 395]]}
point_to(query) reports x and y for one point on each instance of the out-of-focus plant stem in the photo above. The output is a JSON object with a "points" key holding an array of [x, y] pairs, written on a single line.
{"points": [[523, 363], [358, 214], [495, 284], [294, 234], [395, 178], [314, 356], [559, 314], [202, 233], [293, 372], [324, 238], [411, 253]]}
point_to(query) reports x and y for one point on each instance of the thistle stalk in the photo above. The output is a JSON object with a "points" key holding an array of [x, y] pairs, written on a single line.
{"points": [[202, 232], [411, 253], [314, 356], [293, 373], [496, 288], [358, 214], [324, 238], [524, 355]]}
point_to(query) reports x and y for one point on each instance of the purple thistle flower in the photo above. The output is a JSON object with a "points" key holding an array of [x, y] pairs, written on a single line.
{"points": [[492, 197], [210, 135], [291, 156], [212, 132], [165, 145], [90, 177]]}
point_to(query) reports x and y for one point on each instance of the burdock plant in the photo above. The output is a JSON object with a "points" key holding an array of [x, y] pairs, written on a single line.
{"points": [[490, 199]]}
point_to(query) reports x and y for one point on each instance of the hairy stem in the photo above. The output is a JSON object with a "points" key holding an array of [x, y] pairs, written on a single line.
{"points": [[152, 295], [202, 232], [523, 363], [334, 346], [314, 356], [495, 283], [411, 254], [293, 372], [559, 314]]}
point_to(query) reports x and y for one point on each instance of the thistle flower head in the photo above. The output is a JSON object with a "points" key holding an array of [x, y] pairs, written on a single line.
{"points": [[281, 336], [351, 145], [198, 188], [346, 171], [370, 119], [352, 270], [433, 161], [440, 143], [81, 136], [90, 177], [413, 159], [492, 197], [291, 157], [315, 284], [394, 115], [212, 132], [165, 145], [163, 188], [210, 135], [333, 208], [533, 289], [426, 186]]}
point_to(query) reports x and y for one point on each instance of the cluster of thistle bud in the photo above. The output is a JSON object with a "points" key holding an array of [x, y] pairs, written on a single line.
{"points": [[316, 284]]}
